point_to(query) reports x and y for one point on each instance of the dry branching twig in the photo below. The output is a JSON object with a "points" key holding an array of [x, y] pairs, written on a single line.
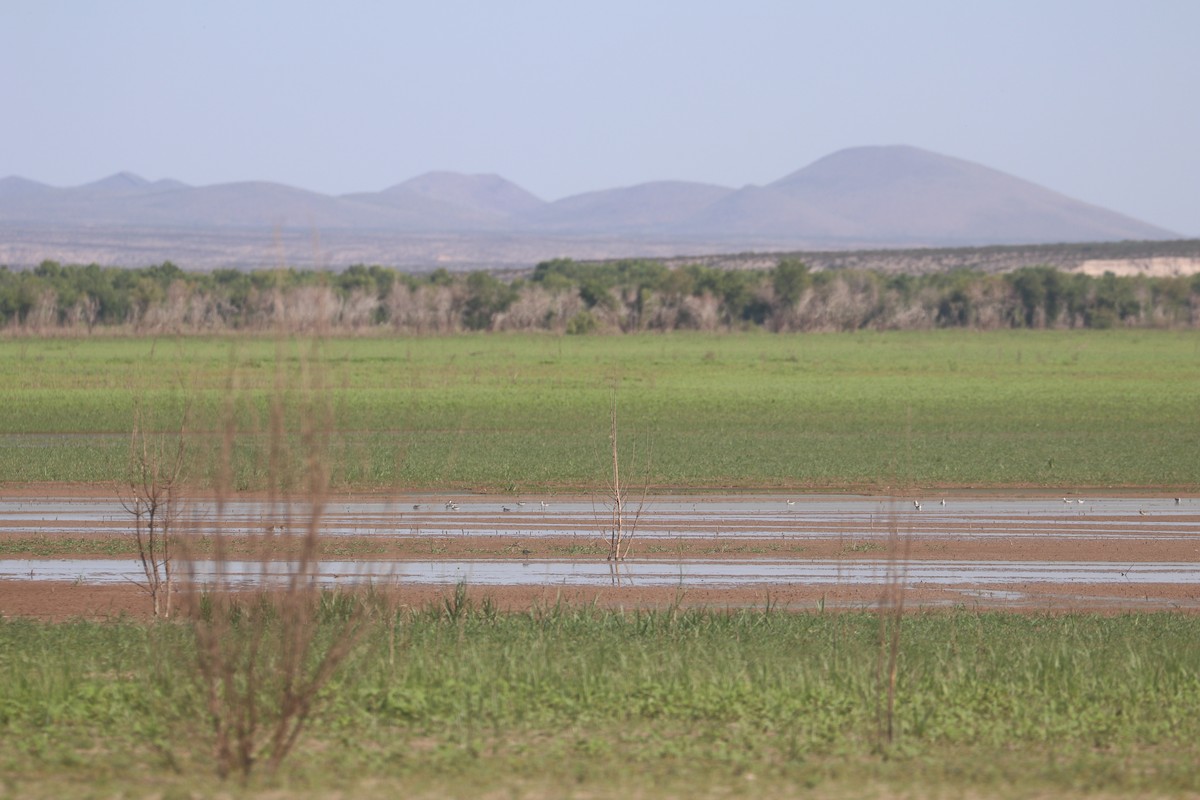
{"points": [[153, 499], [623, 529], [267, 637]]}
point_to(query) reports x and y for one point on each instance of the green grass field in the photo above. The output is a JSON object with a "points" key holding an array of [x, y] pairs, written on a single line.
{"points": [[515, 413], [569, 701], [564, 701]]}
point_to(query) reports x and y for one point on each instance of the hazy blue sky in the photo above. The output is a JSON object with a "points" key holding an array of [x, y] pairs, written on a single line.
{"points": [[1092, 98]]}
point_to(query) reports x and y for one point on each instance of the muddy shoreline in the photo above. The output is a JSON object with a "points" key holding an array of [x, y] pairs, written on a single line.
{"points": [[63, 600]]}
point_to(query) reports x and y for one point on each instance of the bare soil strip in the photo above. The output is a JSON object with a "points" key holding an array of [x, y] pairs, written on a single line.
{"points": [[57, 601]]}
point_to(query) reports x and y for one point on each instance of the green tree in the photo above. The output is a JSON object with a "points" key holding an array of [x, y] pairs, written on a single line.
{"points": [[487, 296], [790, 279]]}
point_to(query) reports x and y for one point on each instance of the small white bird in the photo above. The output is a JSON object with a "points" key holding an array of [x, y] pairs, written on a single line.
{"points": [[917, 505], [545, 505], [943, 501], [791, 502]]}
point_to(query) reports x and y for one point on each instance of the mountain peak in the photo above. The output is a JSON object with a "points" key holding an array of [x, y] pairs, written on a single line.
{"points": [[486, 193], [118, 182], [903, 194], [879, 165]]}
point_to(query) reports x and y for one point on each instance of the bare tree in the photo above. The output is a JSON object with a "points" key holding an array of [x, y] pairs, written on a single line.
{"points": [[153, 500], [44, 315], [84, 312]]}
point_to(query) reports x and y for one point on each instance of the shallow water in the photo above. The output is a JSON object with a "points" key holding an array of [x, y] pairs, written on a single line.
{"points": [[854, 518], [698, 572], [806, 517]]}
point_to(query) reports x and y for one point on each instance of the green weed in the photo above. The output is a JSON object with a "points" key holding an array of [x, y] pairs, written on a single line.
{"points": [[457, 693]]}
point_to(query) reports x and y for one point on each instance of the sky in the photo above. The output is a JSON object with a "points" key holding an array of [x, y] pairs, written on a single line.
{"points": [[1095, 99]]}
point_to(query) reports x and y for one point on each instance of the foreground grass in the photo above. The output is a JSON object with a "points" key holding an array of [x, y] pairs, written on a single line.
{"points": [[517, 413], [562, 701]]}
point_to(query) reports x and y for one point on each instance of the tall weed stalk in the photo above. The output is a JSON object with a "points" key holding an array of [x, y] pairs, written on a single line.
{"points": [[264, 649], [623, 527], [891, 620]]}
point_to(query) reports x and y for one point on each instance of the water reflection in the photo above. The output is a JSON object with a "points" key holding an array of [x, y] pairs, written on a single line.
{"points": [[810, 517], [723, 573]]}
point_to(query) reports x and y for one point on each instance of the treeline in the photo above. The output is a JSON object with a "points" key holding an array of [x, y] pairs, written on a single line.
{"points": [[565, 296]]}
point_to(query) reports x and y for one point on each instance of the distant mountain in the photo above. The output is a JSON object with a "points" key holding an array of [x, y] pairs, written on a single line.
{"points": [[125, 200], [441, 201], [905, 194], [252, 204], [647, 208], [17, 188], [756, 213], [126, 183], [859, 197], [486, 193], [120, 183]]}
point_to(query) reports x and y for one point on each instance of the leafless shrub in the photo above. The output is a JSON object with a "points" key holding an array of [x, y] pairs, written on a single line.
{"points": [[539, 309], [309, 308], [44, 314], [152, 497], [623, 525], [426, 309], [84, 313], [702, 313], [267, 637], [358, 310]]}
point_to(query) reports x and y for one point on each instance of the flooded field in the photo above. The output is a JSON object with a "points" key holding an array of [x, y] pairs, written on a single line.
{"points": [[803, 517], [650, 572], [994, 551]]}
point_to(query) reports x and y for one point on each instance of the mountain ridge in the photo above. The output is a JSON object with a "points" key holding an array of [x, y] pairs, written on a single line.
{"points": [[893, 195]]}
